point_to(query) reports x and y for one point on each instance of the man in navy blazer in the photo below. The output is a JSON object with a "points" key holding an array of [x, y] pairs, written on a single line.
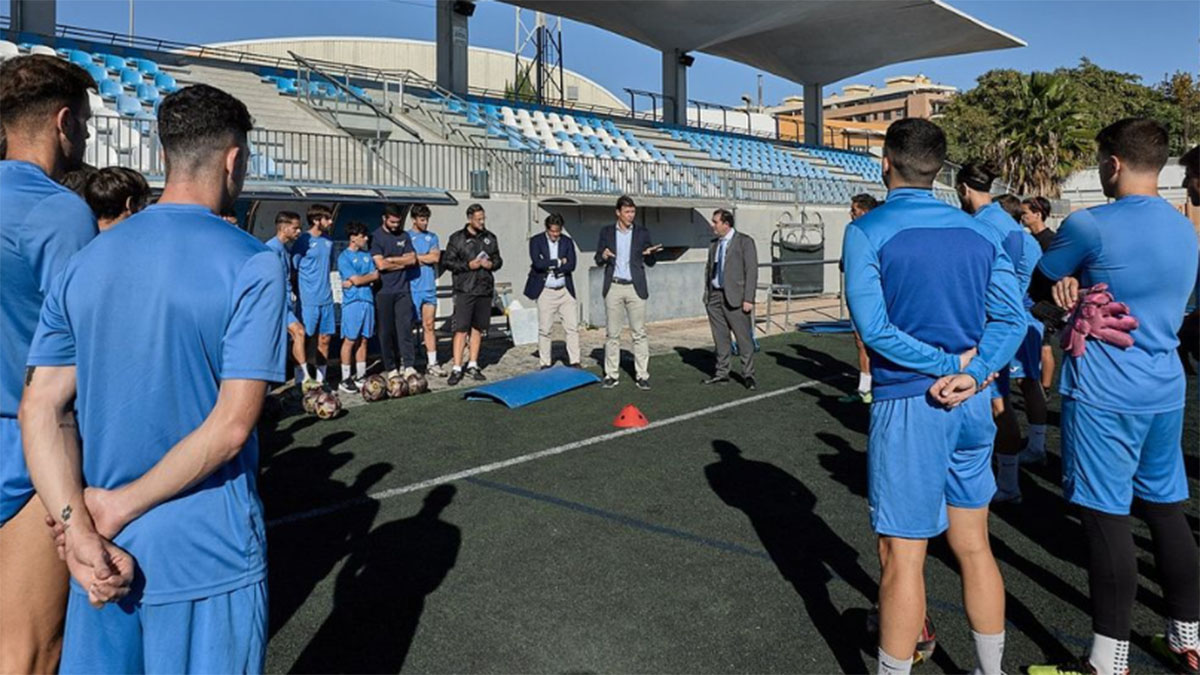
{"points": [[625, 251], [551, 263]]}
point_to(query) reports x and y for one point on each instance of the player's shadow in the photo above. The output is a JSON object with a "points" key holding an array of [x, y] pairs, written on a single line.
{"points": [[294, 482], [807, 552], [381, 590], [838, 374]]}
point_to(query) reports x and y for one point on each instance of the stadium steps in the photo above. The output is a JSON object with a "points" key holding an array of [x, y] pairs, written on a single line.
{"points": [[270, 109], [687, 155]]}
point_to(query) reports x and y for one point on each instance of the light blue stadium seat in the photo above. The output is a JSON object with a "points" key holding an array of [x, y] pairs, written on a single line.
{"points": [[112, 62], [98, 73], [146, 66], [147, 93], [167, 83], [454, 105], [110, 90], [79, 58], [128, 105], [131, 77]]}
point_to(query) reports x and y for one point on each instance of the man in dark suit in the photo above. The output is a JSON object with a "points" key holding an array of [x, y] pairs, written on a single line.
{"points": [[625, 250], [730, 281], [551, 264]]}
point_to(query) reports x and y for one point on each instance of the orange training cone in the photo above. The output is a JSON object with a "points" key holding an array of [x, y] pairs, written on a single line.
{"points": [[630, 417]]}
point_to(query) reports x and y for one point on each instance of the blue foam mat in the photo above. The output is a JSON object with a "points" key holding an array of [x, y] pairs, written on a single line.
{"points": [[532, 387], [821, 327]]}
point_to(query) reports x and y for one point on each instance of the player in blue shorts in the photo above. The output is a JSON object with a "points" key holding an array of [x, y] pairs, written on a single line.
{"points": [[932, 346], [169, 453], [973, 183], [287, 231], [312, 257], [860, 205], [424, 284], [1122, 417], [358, 273], [44, 111]]}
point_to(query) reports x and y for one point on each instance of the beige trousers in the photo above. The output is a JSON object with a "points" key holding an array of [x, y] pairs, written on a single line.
{"points": [[623, 302], [557, 303]]}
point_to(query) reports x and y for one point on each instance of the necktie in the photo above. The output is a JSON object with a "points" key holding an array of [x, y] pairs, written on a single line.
{"points": [[719, 274]]}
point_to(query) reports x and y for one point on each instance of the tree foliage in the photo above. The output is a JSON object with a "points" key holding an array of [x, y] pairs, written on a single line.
{"points": [[1038, 127]]}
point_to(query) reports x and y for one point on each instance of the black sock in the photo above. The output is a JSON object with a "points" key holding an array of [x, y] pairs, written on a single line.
{"points": [[1112, 571]]}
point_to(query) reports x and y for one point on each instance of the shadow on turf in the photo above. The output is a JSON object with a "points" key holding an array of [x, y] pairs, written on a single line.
{"points": [[802, 545], [380, 592]]}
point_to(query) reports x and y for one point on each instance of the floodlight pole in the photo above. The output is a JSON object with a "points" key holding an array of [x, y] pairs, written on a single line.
{"points": [[130, 23]]}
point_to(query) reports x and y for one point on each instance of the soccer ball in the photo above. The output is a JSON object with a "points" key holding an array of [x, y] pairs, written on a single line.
{"points": [[327, 405], [417, 384], [310, 385], [310, 400], [374, 388], [397, 387]]}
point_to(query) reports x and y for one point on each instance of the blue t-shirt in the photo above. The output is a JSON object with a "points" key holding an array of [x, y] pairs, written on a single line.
{"points": [[426, 281], [1022, 249], [154, 315], [354, 263], [312, 257], [1146, 252], [42, 224], [925, 283]]}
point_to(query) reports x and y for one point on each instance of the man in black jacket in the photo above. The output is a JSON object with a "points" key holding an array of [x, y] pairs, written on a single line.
{"points": [[625, 250], [472, 255]]}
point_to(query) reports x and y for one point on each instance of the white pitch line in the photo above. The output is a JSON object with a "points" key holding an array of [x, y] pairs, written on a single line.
{"points": [[557, 450]]}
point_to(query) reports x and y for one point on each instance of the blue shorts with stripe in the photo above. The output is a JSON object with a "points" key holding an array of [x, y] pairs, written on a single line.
{"points": [[16, 488], [1110, 457], [318, 319], [224, 633], [922, 458], [358, 320], [1028, 360]]}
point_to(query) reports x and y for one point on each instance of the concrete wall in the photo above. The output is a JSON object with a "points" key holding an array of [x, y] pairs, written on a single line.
{"points": [[676, 282]]}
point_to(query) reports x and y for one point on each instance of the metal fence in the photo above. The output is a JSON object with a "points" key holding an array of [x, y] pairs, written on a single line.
{"points": [[307, 159]]}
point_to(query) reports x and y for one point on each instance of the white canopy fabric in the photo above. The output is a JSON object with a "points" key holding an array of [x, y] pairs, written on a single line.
{"points": [[814, 41]]}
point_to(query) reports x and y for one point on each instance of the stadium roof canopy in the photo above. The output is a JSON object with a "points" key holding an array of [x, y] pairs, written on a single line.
{"points": [[812, 41]]}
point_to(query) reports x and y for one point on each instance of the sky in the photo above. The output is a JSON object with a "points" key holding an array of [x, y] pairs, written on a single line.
{"points": [[1147, 37]]}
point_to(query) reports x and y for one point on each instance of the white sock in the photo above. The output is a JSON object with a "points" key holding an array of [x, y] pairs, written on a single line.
{"points": [[362, 369], [301, 374], [890, 665], [864, 383], [345, 371], [1183, 635], [410, 371], [472, 365], [1109, 656], [989, 652], [457, 368], [321, 373], [431, 357], [1037, 439], [1006, 475]]}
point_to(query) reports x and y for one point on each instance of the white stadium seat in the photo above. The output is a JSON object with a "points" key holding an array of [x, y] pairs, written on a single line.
{"points": [[568, 149], [510, 119], [43, 50], [8, 50]]}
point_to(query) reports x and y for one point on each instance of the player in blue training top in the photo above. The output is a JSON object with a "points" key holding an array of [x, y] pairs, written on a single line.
{"points": [[44, 111], [358, 273], [287, 231], [973, 183], [932, 345], [312, 258], [1122, 417], [424, 284], [169, 454]]}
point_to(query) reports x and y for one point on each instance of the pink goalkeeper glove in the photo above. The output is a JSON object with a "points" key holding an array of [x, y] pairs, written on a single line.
{"points": [[1098, 316]]}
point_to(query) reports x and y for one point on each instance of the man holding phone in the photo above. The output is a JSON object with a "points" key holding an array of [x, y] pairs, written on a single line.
{"points": [[472, 255], [625, 251]]}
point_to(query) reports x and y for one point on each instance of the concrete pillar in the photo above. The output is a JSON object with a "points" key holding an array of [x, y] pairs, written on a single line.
{"points": [[452, 45], [674, 85], [34, 16], [814, 114]]}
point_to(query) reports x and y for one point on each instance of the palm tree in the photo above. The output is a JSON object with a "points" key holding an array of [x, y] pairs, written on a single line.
{"points": [[1045, 137]]}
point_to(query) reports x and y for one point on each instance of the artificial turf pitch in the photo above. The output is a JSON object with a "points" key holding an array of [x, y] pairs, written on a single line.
{"points": [[735, 540]]}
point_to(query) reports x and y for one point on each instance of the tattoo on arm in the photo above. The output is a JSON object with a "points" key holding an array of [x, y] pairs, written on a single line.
{"points": [[66, 517]]}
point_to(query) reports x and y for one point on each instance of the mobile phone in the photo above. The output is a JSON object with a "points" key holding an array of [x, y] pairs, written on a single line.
{"points": [[1050, 314]]}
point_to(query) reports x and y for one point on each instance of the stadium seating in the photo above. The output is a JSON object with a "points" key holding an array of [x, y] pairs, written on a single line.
{"points": [[8, 50]]}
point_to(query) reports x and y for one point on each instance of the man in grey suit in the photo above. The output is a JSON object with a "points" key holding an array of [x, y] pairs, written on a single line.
{"points": [[730, 280]]}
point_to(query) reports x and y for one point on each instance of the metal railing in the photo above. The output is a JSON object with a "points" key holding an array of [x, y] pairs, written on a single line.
{"points": [[304, 159]]}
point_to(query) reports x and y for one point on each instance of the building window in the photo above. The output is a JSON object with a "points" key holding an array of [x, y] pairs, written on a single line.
{"points": [[887, 116]]}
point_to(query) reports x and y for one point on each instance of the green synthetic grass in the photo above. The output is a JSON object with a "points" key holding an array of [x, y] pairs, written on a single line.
{"points": [[736, 541]]}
